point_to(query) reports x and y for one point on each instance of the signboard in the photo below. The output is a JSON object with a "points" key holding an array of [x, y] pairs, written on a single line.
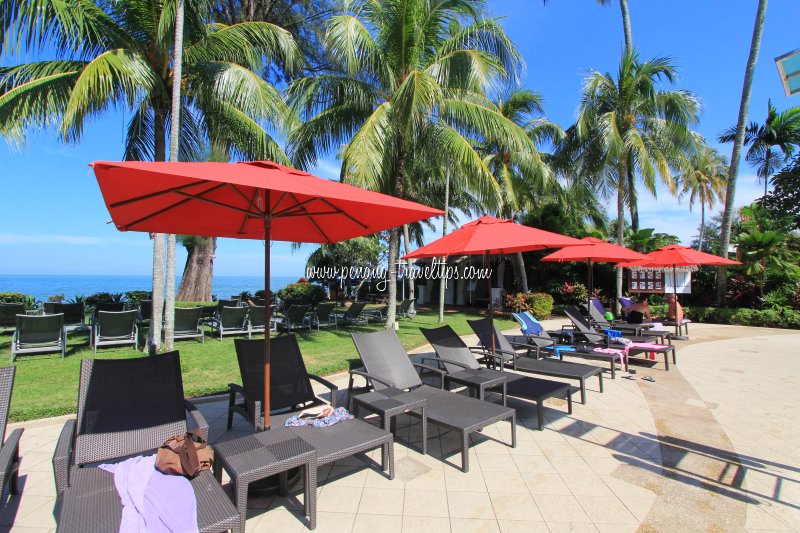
{"points": [[659, 282]]}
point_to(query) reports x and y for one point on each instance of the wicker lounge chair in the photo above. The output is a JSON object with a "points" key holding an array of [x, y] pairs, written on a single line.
{"points": [[9, 447], [115, 328], [187, 324], [323, 315], [506, 354], [353, 315], [536, 336], [8, 315], [256, 319], [587, 332], [230, 321], [584, 331], [388, 366], [39, 334], [597, 319], [127, 407], [290, 388], [295, 318], [463, 369]]}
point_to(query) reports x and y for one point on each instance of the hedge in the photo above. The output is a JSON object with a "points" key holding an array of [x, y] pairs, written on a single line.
{"points": [[784, 317]]}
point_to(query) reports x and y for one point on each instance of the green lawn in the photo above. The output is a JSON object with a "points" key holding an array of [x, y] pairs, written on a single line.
{"points": [[47, 386]]}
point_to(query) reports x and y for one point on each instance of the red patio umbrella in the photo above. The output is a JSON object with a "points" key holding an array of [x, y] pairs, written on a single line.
{"points": [[254, 200], [594, 250], [675, 256], [489, 235]]}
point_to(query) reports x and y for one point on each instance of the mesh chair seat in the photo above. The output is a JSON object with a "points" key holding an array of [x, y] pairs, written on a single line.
{"points": [[231, 321], [39, 334], [187, 324], [115, 328]]}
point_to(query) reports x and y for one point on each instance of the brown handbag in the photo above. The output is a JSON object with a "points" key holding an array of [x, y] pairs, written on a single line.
{"points": [[184, 455]]}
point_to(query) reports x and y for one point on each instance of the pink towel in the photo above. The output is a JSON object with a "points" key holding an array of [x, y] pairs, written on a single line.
{"points": [[644, 346], [623, 355]]}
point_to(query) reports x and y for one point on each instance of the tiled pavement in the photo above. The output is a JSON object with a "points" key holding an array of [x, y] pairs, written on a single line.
{"points": [[725, 421]]}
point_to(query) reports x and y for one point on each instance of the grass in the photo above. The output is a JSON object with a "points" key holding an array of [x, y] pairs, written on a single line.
{"points": [[47, 386]]}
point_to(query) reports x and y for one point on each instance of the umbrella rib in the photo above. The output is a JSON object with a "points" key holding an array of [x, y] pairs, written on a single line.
{"points": [[307, 214], [251, 202], [157, 193], [216, 203], [348, 215], [310, 217], [246, 199], [298, 205], [170, 207], [279, 202]]}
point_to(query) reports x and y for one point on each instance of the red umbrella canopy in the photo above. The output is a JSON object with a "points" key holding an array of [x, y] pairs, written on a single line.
{"points": [[593, 249], [493, 236], [676, 255], [233, 199]]}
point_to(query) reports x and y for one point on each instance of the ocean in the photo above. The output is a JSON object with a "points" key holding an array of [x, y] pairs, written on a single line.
{"points": [[42, 287]]}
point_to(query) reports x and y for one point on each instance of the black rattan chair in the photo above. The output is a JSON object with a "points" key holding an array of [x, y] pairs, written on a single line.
{"points": [[388, 366], [115, 328], [290, 390], [127, 407], [463, 369], [39, 334], [9, 448]]}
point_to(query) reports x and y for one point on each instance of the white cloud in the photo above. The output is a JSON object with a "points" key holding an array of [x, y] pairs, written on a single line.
{"points": [[71, 240]]}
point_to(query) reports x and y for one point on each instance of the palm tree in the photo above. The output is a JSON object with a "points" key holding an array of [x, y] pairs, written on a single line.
{"points": [[411, 85], [702, 178], [765, 251], [738, 142], [779, 130], [522, 175], [629, 126], [119, 54]]}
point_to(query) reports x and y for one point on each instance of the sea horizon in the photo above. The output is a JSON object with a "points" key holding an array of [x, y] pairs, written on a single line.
{"points": [[42, 286]]}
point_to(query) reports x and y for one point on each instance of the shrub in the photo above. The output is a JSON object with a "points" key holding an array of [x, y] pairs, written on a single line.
{"points": [[539, 304], [57, 298], [93, 299], [135, 297], [782, 317], [310, 293], [11, 297]]}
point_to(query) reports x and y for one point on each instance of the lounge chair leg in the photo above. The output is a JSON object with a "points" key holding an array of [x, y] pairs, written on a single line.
{"points": [[424, 432], [674, 356], [600, 379], [310, 500], [464, 452], [569, 401], [583, 391], [540, 415], [613, 369]]}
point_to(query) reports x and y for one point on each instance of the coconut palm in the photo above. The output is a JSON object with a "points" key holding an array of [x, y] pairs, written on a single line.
{"points": [[628, 126], [771, 143], [522, 175], [702, 179], [738, 142], [120, 55], [412, 82]]}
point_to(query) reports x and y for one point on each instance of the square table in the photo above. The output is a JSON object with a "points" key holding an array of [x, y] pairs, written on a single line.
{"points": [[390, 402], [255, 457]]}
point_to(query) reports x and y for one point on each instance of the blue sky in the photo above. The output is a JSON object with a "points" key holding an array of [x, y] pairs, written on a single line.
{"points": [[53, 220]]}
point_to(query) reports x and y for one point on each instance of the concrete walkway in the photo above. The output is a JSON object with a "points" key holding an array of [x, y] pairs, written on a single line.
{"points": [[709, 446]]}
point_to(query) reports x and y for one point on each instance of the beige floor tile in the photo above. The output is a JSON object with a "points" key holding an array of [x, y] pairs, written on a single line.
{"points": [[471, 525], [334, 522], [586, 485], [470, 505], [534, 463], [522, 526], [370, 523], [570, 527], [618, 528], [430, 480], [425, 503], [380, 501], [497, 463], [510, 482], [550, 483], [515, 507], [277, 520], [339, 499], [560, 508], [606, 510], [471, 481], [419, 524], [761, 520]]}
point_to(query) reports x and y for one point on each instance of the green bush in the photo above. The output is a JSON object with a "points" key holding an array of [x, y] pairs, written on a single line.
{"points": [[782, 317], [133, 298], [539, 304], [310, 293], [11, 297], [194, 304]]}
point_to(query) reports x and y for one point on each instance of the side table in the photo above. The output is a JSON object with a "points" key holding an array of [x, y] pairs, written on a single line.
{"points": [[254, 457], [390, 402]]}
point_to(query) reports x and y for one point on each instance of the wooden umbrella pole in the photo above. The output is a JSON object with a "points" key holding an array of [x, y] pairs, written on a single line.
{"points": [[267, 306], [491, 302], [591, 286]]}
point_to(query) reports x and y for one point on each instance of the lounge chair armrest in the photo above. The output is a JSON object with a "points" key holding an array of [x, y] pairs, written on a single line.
{"points": [[545, 339], [448, 361], [369, 377], [197, 417], [233, 387], [10, 450], [334, 390], [441, 373], [62, 456]]}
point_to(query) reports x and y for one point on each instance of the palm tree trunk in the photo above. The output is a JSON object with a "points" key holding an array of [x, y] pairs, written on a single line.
{"points": [[394, 238], [519, 267], [626, 25], [198, 272], [174, 138], [444, 232], [744, 106], [159, 244], [409, 266], [633, 202], [622, 179], [702, 225], [768, 155]]}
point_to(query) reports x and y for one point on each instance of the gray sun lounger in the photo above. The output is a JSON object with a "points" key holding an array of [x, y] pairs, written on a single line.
{"points": [[115, 328], [591, 336], [39, 334], [353, 315], [296, 317], [387, 365], [505, 352], [9, 447], [323, 315], [463, 369], [127, 407], [290, 388], [187, 324], [230, 321]]}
